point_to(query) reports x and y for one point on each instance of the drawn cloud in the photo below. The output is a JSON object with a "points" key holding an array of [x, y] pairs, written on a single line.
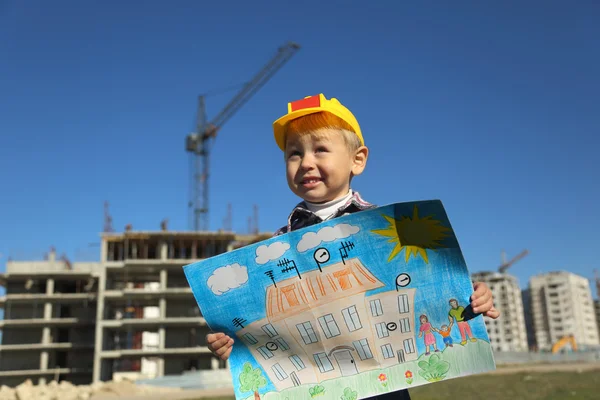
{"points": [[265, 253], [226, 278], [311, 240]]}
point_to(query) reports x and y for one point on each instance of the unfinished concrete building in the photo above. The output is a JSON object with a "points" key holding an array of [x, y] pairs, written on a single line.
{"points": [[133, 313], [49, 320], [149, 324]]}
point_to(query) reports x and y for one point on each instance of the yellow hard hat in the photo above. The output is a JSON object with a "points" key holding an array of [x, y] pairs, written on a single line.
{"points": [[311, 105]]}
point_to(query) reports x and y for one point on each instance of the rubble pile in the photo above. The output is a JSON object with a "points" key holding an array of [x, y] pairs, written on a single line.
{"points": [[67, 391]]}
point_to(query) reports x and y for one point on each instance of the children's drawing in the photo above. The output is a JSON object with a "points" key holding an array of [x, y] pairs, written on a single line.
{"points": [[226, 278], [331, 311]]}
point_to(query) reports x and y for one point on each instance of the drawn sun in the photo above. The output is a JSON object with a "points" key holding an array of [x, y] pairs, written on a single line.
{"points": [[414, 235]]}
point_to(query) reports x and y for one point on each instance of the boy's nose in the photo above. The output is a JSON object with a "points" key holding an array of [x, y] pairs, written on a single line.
{"points": [[308, 162]]}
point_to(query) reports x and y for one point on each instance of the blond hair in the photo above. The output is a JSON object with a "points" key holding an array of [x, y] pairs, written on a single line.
{"points": [[313, 123]]}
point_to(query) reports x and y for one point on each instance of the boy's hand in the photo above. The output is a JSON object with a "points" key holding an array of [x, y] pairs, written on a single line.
{"points": [[482, 301], [220, 345]]}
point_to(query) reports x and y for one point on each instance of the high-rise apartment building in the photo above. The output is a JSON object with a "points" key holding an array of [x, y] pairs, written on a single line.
{"points": [[562, 305], [597, 307], [507, 333]]}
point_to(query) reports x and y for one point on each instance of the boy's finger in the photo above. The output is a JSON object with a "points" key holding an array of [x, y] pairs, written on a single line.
{"points": [[479, 289], [481, 299], [220, 343], [493, 313], [226, 348], [483, 308], [212, 337], [225, 356]]}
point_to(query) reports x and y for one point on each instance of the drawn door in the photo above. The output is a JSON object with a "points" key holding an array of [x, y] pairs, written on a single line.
{"points": [[345, 362], [295, 379], [401, 358]]}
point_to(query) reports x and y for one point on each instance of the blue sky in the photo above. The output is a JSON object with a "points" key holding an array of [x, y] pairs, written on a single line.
{"points": [[490, 108]]}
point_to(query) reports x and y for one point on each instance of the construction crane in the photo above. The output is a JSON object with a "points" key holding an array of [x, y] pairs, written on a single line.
{"points": [[507, 264], [199, 143], [108, 226]]}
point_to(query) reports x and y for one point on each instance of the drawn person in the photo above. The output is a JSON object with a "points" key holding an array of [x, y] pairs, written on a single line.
{"points": [[324, 150], [444, 332], [426, 329], [457, 313]]}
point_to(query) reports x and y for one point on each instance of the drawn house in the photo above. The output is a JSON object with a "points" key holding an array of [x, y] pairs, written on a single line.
{"points": [[316, 310]]}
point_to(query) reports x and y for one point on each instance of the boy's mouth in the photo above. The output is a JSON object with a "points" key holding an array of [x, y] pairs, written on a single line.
{"points": [[310, 182]]}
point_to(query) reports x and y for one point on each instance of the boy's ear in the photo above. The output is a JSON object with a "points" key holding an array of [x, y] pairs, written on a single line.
{"points": [[360, 160]]}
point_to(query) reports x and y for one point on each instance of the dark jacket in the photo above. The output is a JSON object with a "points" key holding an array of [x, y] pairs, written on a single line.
{"points": [[302, 217]]}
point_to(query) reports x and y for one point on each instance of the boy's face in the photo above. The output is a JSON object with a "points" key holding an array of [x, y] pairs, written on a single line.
{"points": [[319, 165]]}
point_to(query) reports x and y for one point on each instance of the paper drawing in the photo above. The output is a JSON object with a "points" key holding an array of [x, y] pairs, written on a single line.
{"points": [[226, 278], [336, 311]]}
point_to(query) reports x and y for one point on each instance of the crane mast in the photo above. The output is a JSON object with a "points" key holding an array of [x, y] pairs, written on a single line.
{"points": [[199, 143]]}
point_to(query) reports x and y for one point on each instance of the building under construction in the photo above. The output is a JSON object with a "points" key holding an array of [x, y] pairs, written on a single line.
{"points": [[133, 313]]}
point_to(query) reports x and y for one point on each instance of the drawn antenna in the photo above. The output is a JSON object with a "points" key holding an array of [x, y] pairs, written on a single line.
{"points": [[347, 245], [284, 262], [290, 268], [269, 273], [238, 322], [344, 250]]}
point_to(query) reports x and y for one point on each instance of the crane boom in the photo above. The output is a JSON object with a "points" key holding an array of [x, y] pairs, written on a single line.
{"points": [[507, 264], [199, 142]]}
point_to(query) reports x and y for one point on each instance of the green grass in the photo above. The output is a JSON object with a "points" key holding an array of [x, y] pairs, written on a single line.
{"points": [[525, 386], [522, 386]]}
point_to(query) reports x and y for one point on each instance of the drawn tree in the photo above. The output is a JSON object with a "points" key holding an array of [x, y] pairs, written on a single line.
{"points": [[251, 379]]}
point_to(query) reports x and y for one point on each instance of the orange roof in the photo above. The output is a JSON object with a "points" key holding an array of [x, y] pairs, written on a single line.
{"points": [[294, 295]]}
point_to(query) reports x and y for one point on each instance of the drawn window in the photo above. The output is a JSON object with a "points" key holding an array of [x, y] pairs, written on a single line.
{"points": [[250, 338], [269, 330], [382, 330], [329, 326], [290, 295], [387, 351], [409, 346], [307, 332], [403, 304], [363, 349], [376, 309], [279, 372], [323, 362], [404, 325], [343, 278], [282, 344], [351, 317], [266, 353], [297, 361]]}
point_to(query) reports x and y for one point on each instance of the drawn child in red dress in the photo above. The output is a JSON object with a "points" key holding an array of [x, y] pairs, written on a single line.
{"points": [[426, 329]]}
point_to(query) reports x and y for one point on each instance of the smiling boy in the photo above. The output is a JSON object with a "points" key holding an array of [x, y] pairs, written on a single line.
{"points": [[324, 150]]}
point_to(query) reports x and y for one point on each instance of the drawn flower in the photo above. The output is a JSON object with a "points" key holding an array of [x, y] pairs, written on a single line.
{"points": [[383, 379], [409, 377]]}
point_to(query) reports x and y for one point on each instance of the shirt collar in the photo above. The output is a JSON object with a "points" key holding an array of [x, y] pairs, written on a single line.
{"points": [[301, 216]]}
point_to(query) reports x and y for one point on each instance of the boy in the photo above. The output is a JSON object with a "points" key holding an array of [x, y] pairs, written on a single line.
{"points": [[324, 150], [445, 331]]}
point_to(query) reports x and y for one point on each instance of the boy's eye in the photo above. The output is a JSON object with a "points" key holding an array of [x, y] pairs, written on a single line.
{"points": [[321, 149], [293, 153]]}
